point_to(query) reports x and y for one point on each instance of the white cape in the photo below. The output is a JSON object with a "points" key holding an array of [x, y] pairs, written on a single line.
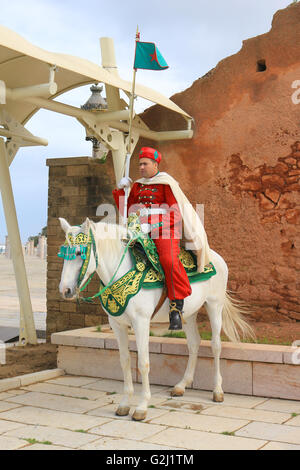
{"points": [[194, 233]]}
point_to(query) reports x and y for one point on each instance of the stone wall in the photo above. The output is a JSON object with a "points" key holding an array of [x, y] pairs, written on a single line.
{"points": [[243, 164], [76, 187]]}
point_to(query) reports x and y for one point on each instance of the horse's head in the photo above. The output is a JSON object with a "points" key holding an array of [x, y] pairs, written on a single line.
{"points": [[79, 255]]}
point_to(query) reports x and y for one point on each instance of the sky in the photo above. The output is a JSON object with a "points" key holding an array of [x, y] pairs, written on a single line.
{"points": [[192, 35]]}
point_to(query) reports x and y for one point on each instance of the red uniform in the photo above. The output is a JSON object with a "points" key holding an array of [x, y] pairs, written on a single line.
{"points": [[165, 231]]}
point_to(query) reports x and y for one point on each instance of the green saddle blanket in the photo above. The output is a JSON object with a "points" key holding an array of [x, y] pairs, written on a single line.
{"points": [[146, 272]]}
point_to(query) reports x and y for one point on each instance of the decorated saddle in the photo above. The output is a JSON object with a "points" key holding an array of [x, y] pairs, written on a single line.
{"points": [[146, 270]]}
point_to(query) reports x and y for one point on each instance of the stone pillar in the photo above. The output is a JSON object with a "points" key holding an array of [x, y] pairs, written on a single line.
{"points": [[41, 248], [77, 186], [31, 248], [7, 248]]}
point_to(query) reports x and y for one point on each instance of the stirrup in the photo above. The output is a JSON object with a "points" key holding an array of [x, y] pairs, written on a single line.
{"points": [[175, 317]]}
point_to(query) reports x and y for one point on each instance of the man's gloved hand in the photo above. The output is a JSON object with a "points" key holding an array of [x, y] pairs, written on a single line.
{"points": [[124, 182], [145, 228]]}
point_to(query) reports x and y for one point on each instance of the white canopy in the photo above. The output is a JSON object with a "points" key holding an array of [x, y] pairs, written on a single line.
{"points": [[23, 64]]}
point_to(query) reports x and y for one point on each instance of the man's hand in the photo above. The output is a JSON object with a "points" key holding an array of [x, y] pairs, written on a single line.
{"points": [[124, 182], [145, 228]]}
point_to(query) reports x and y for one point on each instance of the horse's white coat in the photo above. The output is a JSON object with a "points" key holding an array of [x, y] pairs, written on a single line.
{"points": [[211, 293]]}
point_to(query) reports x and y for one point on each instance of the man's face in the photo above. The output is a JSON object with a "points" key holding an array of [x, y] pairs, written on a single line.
{"points": [[148, 167]]}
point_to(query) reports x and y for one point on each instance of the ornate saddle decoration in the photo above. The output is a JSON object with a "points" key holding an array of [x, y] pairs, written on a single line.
{"points": [[146, 270]]}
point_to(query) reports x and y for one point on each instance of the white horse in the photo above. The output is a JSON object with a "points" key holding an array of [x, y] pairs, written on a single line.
{"points": [[223, 312]]}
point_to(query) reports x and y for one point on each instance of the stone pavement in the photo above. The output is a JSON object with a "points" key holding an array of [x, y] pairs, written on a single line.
{"points": [[73, 412], [9, 301]]}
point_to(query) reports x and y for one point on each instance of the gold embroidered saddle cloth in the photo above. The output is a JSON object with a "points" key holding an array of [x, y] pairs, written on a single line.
{"points": [[147, 272]]}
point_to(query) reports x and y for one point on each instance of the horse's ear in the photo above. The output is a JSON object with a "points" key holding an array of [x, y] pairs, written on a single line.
{"points": [[64, 224], [86, 225]]}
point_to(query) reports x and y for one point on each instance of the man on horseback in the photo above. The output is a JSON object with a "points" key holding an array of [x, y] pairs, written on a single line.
{"points": [[161, 207]]}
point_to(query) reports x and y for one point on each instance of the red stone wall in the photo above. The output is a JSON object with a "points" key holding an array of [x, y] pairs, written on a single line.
{"points": [[243, 163]]}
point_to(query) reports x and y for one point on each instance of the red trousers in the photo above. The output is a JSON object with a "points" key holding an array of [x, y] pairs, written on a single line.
{"points": [[177, 281]]}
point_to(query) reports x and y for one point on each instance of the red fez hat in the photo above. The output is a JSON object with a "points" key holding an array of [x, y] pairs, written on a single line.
{"points": [[148, 152]]}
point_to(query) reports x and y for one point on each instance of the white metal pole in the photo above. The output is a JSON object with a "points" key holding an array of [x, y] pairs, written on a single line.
{"points": [[128, 155], [26, 314]]}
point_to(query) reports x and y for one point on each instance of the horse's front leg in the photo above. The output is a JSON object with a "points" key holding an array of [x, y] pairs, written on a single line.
{"points": [[141, 329], [121, 332]]}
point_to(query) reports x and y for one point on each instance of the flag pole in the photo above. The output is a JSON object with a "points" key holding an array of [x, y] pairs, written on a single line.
{"points": [[128, 154]]}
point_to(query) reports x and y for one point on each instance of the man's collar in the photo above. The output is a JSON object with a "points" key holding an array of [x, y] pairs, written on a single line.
{"points": [[158, 177]]}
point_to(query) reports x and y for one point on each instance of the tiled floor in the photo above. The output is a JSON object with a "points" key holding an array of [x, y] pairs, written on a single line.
{"points": [[71, 412]]}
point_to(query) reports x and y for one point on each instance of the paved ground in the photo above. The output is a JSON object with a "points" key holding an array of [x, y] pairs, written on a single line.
{"points": [[71, 412], [79, 412], [9, 302]]}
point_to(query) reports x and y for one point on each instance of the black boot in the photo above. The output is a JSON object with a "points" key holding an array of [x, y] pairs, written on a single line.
{"points": [[175, 314]]}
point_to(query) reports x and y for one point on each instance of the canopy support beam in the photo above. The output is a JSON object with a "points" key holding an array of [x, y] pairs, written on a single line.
{"points": [[27, 328], [111, 118], [17, 135]]}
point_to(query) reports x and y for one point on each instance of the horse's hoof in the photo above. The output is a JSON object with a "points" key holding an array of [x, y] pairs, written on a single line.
{"points": [[177, 392], [123, 411], [218, 397], [139, 415]]}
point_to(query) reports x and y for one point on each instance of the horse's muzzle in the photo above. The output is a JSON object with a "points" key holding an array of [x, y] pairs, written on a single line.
{"points": [[68, 294]]}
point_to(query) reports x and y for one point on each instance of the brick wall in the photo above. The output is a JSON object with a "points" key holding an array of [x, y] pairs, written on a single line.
{"points": [[76, 187]]}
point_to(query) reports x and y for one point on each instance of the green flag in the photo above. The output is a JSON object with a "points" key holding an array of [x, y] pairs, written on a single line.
{"points": [[147, 56]]}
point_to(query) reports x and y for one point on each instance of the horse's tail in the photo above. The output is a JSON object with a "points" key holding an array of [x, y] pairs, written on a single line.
{"points": [[233, 321]]}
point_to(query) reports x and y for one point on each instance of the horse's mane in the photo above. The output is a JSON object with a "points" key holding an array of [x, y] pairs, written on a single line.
{"points": [[108, 237]]}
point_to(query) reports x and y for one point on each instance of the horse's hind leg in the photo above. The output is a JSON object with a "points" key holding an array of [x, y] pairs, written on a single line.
{"points": [[214, 310], [193, 342], [121, 332]]}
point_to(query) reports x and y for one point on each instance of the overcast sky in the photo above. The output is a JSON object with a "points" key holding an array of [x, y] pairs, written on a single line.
{"points": [[192, 35]]}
